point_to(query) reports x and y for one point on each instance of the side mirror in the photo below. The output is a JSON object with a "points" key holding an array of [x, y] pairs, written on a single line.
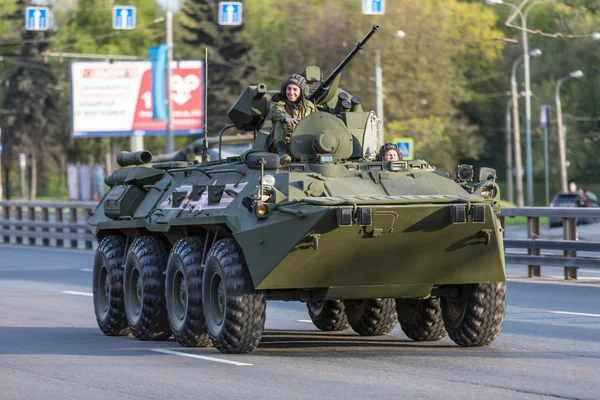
{"points": [[487, 174], [270, 160]]}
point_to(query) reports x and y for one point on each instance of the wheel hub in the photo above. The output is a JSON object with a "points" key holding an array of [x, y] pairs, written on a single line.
{"points": [[217, 290], [104, 292], [179, 296], [136, 290]]}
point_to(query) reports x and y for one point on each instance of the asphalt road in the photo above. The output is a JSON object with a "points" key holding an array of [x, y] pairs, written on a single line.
{"points": [[51, 348]]}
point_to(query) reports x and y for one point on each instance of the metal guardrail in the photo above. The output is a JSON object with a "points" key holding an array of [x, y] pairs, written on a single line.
{"points": [[63, 225], [50, 224], [534, 244]]}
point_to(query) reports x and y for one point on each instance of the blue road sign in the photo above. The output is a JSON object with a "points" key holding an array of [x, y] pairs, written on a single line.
{"points": [[123, 17], [373, 7], [0, 148], [37, 18], [406, 147], [230, 13]]}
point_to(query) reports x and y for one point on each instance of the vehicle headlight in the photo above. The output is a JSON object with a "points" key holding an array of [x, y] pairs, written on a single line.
{"points": [[268, 180]]}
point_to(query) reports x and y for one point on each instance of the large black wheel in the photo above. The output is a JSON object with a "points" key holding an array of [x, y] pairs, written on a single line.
{"points": [[371, 317], [474, 316], [184, 293], [234, 311], [108, 286], [421, 320], [144, 288], [328, 315]]}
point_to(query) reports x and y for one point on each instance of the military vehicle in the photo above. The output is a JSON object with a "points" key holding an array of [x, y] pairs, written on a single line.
{"points": [[195, 249]]}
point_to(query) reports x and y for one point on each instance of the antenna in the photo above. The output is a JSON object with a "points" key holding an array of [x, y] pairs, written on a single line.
{"points": [[205, 154]]}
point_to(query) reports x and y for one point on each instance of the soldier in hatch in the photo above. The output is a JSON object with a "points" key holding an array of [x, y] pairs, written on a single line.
{"points": [[288, 107], [389, 152]]}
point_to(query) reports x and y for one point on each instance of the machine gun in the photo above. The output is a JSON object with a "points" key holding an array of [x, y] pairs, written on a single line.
{"points": [[324, 92]]}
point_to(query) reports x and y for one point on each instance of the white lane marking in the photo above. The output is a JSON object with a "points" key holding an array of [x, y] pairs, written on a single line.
{"points": [[178, 353], [86, 269], [77, 293], [591, 278], [575, 313], [304, 320]]}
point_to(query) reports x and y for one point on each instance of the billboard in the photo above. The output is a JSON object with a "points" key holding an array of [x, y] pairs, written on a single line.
{"points": [[115, 99]]}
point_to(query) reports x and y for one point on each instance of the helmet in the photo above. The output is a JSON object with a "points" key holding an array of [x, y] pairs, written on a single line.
{"points": [[387, 147], [298, 80]]}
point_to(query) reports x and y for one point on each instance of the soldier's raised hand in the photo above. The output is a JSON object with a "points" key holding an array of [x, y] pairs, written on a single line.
{"points": [[292, 121]]}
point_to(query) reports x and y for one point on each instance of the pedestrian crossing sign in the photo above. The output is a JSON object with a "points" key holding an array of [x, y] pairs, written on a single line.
{"points": [[406, 147]]}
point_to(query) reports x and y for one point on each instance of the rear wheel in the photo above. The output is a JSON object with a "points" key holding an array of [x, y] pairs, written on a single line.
{"points": [[421, 320], [108, 286], [144, 288], [328, 315], [371, 317], [233, 310], [474, 316], [184, 293]]}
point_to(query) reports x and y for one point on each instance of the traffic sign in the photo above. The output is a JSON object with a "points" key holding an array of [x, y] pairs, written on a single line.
{"points": [[373, 7], [37, 18], [123, 17], [22, 160], [406, 147], [230, 13], [0, 148]]}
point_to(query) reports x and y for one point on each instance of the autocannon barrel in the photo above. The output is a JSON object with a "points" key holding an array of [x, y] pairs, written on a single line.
{"points": [[324, 86], [126, 158]]}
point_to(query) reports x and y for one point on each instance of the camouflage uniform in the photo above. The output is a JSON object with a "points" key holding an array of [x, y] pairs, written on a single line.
{"points": [[279, 138]]}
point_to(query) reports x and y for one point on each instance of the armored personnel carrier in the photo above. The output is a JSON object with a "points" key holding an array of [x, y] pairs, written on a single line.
{"points": [[195, 249]]}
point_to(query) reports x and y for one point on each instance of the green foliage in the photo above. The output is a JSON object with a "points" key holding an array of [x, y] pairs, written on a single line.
{"points": [[229, 64]]}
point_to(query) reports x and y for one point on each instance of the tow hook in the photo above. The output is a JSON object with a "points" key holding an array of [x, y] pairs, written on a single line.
{"points": [[486, 236]]}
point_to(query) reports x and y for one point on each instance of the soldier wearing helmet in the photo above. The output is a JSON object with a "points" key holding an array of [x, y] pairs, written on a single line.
{"points": [[288, 107], [389, 152]]}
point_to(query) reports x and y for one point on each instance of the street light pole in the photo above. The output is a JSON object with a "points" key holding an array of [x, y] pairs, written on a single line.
{"points": [[379, 85], [516, 127], [561, 133], [528, 149], [509, 159], [379, 92], [169, 26]]}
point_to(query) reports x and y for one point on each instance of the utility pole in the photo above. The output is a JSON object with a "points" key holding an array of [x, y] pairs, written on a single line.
{"points": [[22, 166], [379, 92], [545, 119], [562, 143], [528, 117], [517, 142], [169, 25], [509, 159]]}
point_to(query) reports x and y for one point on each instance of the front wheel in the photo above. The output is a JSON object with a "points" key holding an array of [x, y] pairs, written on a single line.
{"points": [[108, 286], [474, 316], [233, 310], [371, 317]]}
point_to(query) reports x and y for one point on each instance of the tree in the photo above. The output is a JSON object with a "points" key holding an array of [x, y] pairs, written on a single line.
{"points": [[230, 63], [30, 100]]}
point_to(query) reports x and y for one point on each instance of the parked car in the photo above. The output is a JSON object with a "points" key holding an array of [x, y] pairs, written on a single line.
{"points": [[573, 199]]}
